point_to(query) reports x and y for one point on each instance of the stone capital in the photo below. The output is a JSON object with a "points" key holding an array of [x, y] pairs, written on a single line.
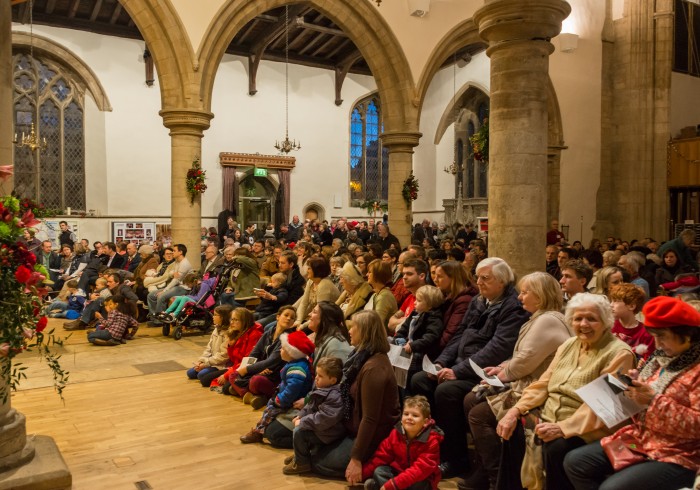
{"points": [[400, 141], [192, 122], [518, 20]]}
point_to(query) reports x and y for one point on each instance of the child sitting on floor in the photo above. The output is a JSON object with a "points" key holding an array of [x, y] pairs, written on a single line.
{"points": [[198, 288], [275, 287], [214, 357], [410, 457], [120, 325], [72, 307], [296, 381], [320, 422]]}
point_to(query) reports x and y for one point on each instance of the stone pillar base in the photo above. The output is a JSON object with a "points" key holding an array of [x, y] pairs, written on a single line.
{"points": [[46, 471]]}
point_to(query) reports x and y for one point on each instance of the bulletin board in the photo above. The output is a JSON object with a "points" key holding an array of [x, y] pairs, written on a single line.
{"points": [[51, 230], [133, 231]]}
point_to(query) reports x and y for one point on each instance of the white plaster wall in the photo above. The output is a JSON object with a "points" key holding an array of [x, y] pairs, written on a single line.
{"points": [[577, 81], [685, 103]]}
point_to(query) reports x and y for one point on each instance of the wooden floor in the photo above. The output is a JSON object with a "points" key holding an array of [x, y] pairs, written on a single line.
{"points": [[131, 419]]}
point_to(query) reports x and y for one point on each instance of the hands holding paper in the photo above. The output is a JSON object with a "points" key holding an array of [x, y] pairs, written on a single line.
{"points": [[445, 374]]}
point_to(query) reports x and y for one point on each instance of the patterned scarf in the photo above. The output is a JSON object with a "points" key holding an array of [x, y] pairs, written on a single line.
{"points": [[671, 367], [351, 369]]}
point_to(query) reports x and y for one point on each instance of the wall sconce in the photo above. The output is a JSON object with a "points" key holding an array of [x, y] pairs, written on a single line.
{"points": [[568, 42]]}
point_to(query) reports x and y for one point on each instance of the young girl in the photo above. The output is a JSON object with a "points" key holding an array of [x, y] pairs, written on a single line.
{"points": [[198, 288], [214, 357], [120, 324], [409, 458], [243, 334], [421, 331], [295, 381], [257, 382]]}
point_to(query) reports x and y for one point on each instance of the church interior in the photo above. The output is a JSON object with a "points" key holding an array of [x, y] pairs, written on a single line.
{"points": [[593, 116]]}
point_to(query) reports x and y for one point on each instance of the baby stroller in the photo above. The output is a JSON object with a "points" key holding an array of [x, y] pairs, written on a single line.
{"points": [[195, 317]]}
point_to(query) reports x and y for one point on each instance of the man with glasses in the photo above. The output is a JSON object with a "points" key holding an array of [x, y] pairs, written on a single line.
{"points": [[486, 336]]}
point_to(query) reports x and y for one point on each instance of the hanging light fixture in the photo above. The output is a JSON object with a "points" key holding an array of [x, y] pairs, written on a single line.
{"points": [[286, 145], [452, 168], [31, 140]]}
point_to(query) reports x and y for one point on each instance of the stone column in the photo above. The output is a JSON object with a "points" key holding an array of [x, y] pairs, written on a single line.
{"points": [[186, 130], [6, 149], [518, 34], [400, 146]]}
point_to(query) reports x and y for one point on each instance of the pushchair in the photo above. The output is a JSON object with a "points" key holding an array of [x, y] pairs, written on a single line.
{"points": [[195, 317]]}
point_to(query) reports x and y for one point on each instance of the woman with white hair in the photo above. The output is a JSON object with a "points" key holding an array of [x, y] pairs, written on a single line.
{"points": [[356, 291], [557, 419], [487, 336]]}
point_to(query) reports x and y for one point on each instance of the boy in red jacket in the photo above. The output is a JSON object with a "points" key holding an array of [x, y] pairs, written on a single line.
{"points": [[409, 457]]}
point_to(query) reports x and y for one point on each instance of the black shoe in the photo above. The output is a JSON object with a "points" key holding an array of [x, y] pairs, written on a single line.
{"points": [[478, 480], [449, 469]]}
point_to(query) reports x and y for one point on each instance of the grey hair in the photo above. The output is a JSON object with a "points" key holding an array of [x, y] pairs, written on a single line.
{"points": [[635, 260], [601, 302], [500, 269]]}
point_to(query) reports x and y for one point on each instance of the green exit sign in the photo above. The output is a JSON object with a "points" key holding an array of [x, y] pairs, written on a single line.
{"points": [[260, 172]]}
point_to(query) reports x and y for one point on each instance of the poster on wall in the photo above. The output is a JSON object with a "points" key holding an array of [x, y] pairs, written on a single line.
{"points": [[133, 231], [50, 230]]}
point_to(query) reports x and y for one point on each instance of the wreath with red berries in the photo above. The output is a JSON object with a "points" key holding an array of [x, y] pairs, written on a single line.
{"points": [[410, 189], [195, 180]]}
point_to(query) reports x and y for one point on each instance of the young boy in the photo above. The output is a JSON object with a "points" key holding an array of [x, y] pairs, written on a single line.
{"points": [[296, 381], [72, 307], [627, 300], [410, 457], [320, 422], [275, 287]]}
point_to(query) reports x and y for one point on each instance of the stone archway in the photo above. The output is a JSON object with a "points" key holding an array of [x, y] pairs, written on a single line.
{"points": [[314, 210], [65, 57]]}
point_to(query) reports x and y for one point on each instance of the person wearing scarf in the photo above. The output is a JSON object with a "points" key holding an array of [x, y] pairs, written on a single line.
{"points": [[667, 432], [370, 401]]}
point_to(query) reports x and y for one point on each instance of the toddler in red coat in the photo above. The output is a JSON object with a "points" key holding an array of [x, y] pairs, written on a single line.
{"points": [[410, 456]]}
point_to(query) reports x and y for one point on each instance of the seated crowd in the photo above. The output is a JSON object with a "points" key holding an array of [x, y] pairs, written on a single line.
{"points": [[303, 321]]}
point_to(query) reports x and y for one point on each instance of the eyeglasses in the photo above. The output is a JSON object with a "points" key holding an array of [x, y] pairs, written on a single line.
{"points": [[484, 278]]}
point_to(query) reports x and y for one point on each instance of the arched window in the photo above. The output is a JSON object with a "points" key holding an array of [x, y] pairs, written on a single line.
{"points": [[369, 161], [470, 165], [56, 177]]}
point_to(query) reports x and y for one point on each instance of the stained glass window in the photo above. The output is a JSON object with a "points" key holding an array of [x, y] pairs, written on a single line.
{"points": [[56, 177], [369, 160]]}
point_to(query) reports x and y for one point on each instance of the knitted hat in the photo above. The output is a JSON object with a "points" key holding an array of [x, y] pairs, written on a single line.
{"points": [[146, 249], [351, 271], [297, 344], [665, 312]]}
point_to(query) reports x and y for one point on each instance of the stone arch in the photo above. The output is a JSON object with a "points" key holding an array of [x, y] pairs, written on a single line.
{"points": [[364, 26], [317, 208], [473, 92], [65, 57], [172, 51]]}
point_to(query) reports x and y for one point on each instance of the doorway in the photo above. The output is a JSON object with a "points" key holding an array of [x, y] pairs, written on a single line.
{"points": [[256, 204]]}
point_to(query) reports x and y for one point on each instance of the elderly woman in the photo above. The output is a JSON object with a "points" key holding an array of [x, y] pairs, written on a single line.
{"points": [[356, 291], [456, 285], [632, 262], [488, 334], [319, 287], [667, 433], [538, 340], [382, 301], [149, 262], [564, 422], [370, 401]]}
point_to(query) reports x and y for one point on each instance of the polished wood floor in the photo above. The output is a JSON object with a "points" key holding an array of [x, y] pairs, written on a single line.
{"points": [[131, 419]]}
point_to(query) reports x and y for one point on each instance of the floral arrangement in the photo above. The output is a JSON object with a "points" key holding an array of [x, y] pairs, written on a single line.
{"points": [[373, 207], [195, 180], [23, 285], [410, 189], [480, 142]]}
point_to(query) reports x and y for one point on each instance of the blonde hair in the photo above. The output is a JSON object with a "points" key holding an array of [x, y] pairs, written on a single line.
{"points": [[279, 277], [420, 402], [545, 288], [431, 296], [371, 332]]}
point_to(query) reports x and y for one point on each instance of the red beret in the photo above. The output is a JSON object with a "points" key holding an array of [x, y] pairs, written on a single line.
{"points": [[665, 312]]}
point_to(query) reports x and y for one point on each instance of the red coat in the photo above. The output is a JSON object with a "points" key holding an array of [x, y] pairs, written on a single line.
{"points": [[414, 461], [244, 344]]}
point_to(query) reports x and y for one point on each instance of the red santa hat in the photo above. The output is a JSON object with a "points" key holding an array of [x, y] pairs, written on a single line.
{"points": [[297, 344]]}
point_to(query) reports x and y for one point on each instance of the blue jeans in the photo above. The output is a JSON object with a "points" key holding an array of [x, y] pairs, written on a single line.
{"points": [[229, 299], [99, 334], [192, 374], [58, 305], [158, 300], [333, 459], [89, 311], [385, 473], [589, 468]]}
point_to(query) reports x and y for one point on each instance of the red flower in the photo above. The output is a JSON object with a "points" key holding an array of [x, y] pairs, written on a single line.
{"points": [[23, 274], [41, 324], [199, 172]]}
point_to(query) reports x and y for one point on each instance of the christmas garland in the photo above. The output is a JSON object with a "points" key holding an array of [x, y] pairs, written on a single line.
{"points": [[410, 189], [480, 143], [195, 180], [372, 206]]}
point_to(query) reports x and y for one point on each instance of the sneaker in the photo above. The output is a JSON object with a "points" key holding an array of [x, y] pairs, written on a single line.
{"points": [[296, 469], [288, 459], [247, 398], [252, 437], [103, 342], [216, 389], [258, 402], [371, 484]]}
